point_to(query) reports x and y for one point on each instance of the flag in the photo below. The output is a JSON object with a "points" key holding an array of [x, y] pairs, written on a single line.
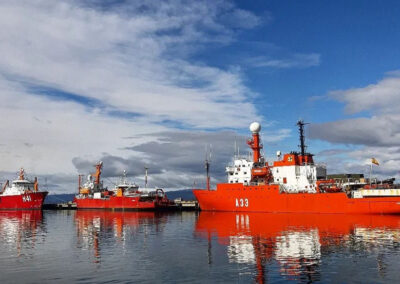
{"points": [[374, 161]]}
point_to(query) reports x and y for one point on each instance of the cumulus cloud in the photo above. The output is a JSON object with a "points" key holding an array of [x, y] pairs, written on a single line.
{"points": [[78, 76], [383, 130], [380, 128], [174, 158], [376, 131], [332, 152], [382, 97], [129, 57]]}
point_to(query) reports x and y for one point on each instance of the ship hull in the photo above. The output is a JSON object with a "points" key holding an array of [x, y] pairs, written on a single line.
{"points": [[27, 201], [122, 203], [267, 198]]}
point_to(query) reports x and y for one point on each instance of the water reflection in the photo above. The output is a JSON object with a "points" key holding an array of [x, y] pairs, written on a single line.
{"points": [[113, 228], [297, 243], [20, 231]]}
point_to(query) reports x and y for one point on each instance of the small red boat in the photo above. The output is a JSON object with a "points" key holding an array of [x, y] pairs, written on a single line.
{"points": [[290, 185], [22, 194], [125, 196]]}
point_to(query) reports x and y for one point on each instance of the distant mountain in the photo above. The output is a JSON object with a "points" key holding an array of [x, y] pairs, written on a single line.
{"points": [[59, 198], [185, 194]]}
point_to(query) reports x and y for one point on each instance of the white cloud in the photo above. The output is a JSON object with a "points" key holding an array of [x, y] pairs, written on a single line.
{"points": [[382, 97], [292, 61], [134, 57], [377, 134], [129, 60], [381, 128]]}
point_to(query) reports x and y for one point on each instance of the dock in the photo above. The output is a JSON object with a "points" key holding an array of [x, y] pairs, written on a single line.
{"points": [[60, 206], [187, 205], [180, 205]]}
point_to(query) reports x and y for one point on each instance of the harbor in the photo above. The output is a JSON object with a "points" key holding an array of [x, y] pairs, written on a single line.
{"points": [[180, 205], [199, 141], [104, 245]]}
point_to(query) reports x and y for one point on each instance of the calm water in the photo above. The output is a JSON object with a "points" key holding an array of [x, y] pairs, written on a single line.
{"points": [[189, 247]]}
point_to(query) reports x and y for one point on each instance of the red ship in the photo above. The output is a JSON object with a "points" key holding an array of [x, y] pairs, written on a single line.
{"points": [[22, 194], [125, 196], [290, 185]]}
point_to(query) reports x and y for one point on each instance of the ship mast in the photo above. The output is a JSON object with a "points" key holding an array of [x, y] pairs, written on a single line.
{"points": [[5, 186], [207, 166], [302, 145], [36, 185], [145, 176], [21, 174], [254, 143], [79, 183], [98, 173]]}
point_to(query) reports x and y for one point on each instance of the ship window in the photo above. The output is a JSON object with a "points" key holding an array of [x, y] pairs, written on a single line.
{"points": [[236, 173], [245, 173], [231, 174]]}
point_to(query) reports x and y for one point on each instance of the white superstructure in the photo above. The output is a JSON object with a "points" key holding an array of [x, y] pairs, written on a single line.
{"points": [[19, 186], [240, 171], [296, 178], [292, 176]]}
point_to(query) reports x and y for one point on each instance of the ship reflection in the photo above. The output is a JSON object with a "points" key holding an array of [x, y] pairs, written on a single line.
{"points": [[296, 242], [96, 227], [21, 230]]}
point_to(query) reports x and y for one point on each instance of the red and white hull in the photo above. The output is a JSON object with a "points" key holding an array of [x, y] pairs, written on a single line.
{"points": [[267, 198], [122, 203], [27, 201]]}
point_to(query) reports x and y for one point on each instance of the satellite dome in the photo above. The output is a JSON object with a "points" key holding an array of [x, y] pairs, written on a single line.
{"points": [[255, 127]]}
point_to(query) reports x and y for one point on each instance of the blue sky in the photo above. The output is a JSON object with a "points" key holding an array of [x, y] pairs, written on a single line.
{"points": [[357, 42], [120, 81]]}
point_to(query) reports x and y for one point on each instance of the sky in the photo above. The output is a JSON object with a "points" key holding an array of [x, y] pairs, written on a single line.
{"points": [[154, 83]]}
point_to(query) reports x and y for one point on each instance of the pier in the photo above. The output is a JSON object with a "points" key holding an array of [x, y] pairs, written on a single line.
{"points": [[181, 205]]}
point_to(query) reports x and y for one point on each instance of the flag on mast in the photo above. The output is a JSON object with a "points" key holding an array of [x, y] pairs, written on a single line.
{"points": [[374, 161]]}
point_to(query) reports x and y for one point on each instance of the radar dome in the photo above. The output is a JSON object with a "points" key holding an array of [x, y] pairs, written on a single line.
{"points": [[255, 127]]}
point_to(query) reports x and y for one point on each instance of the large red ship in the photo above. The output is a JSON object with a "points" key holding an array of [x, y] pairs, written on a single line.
{"points": [[125, 196], [22, 194], [290, 185]]}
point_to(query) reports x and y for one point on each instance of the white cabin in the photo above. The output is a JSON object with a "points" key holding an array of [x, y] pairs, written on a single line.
{"points": [[240, 171]]}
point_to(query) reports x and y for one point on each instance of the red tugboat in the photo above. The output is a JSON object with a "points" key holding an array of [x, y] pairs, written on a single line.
{"points": [[125, 196], [290, 185], [22, 194]]}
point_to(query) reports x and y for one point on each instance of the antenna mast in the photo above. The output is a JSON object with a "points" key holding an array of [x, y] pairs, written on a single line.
{"points": [[207, 166], [145, 176], [302, 145]]}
